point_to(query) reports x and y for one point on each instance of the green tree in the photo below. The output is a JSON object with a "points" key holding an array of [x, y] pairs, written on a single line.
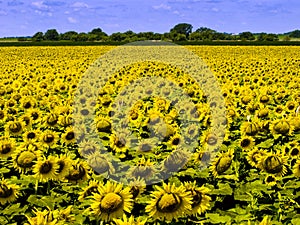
{"points": [[51, 35], [247, 35], [97, 34], [39, 36], [182, 28], [68, 35]]}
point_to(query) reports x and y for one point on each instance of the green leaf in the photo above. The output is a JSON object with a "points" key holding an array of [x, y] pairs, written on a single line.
{"points": [[295, 221], [224, 189], [266, 144], [217, 219]]}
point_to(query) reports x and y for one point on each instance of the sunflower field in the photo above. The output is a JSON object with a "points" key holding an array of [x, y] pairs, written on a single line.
{"points": [[245, 172]]}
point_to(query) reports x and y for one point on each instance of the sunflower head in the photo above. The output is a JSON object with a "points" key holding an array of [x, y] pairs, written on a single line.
{"points": [[282, 127], [46, 169], [8, 192], [247, 142], [7, 147], [222, 162], [274, 164]]}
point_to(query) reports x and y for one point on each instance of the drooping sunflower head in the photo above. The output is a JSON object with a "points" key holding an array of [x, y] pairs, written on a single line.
{"points": [[87, 147], [100, 163], [274, 164], [250, 128], [169, 202], [200, 199], [8, 192], [144, 169], [222, 162], [112, 201], [281, 127], [176, 160]]}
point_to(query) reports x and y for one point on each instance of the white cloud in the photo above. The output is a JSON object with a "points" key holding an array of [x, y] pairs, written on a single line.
{"points": [[40, 5], [72, 20], [162, 6], [79, 5]]}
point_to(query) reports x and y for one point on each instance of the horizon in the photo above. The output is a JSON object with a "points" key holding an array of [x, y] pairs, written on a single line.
{"points": [[20, 18]]}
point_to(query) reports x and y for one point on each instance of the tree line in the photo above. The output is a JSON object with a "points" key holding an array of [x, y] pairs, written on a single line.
{"points": [[180, 32]]}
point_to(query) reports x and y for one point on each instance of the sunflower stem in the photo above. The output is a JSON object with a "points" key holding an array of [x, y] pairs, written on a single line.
{"points": [[36, 186]]}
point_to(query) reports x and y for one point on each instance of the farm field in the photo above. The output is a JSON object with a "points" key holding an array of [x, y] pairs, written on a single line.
{"points": [[48, 176]]}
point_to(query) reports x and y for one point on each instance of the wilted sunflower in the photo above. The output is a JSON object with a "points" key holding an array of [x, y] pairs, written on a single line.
{"points": [[273, 163], [78, 172], [200, 199], [8, 192], [169, 202], [7, 147], [222, 162], [130, 221], [46, 169], [89, 190], [112, 201], [296, 168]]}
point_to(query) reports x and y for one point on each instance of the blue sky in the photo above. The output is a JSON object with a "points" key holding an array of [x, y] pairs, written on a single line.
{"points": [[24, 18]]}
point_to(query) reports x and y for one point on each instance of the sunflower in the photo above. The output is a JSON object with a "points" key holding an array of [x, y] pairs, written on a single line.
{"points": [[200, 201], [42, 217], [254, 156], [270, 180], [25, 157], [65, 120], [202, 156], [8, 192], [89, 190], [281, 127], [130, 221], [100, 163], [46, 169], [144, 169], [273, 164], [169, 202], [87, 147], [68, 137], [175, 140], [14, 128], [64, 215], [176, 160], [291, 106], [137, 187], [50, 120], [222, 162], [296, 169], [31, 135], [27, 102], [7, 147], [250, 128], [120, 142], [247, 142], [112, 201], [35, 115], [65, 164], [49, 138], [146, 145], [78, 172]]}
